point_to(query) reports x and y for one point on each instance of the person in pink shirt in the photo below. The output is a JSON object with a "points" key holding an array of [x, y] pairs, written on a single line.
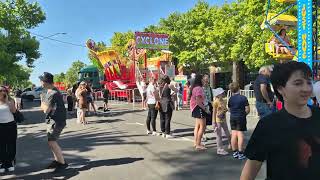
{"points": [[198, 110]]}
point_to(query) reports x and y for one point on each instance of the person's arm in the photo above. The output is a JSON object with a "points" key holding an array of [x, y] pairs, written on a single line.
{"points": [[156, 94], [173, 88], [247, 109], [12, 106], [214, 113], [264, 92], [47, 104], [199, 101], [250, 170]]}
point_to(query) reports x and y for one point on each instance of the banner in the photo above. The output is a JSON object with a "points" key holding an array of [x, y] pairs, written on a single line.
{"points": [[305, 32], [152, 41]]}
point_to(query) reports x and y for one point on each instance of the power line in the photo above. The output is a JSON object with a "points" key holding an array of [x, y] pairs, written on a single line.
{"points": [[56, 40]]}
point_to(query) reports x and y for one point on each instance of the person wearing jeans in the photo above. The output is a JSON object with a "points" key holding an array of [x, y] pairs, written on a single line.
{"points": [[152, 98], [166, 105], [262, 90]]}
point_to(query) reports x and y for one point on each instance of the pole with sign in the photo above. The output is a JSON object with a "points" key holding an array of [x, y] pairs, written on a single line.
{"points": [[305, 32]]}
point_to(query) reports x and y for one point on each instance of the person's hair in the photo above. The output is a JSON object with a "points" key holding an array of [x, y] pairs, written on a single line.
{"points": [[282, 72], [234, 87], [264, 68], [164, 80], [197, 81], [280, 32]]}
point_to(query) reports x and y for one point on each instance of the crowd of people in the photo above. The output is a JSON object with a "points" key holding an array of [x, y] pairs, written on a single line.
{"points": [[287, 138]]}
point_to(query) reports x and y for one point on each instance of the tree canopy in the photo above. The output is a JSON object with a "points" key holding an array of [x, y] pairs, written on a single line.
{"points": [[220, 35], [16, 43]]}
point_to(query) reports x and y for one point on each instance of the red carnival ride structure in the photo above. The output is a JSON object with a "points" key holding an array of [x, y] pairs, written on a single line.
{"points": [[122, 73]]}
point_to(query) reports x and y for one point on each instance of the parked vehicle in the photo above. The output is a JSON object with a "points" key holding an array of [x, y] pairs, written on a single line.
{"points": [[30, 94]]}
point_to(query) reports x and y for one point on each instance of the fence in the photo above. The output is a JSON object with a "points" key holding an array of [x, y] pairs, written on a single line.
{"points": [[121, 99], [251, 99]]}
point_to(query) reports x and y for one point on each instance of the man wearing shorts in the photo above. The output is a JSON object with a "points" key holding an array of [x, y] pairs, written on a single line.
{"points": [[53, 106]]}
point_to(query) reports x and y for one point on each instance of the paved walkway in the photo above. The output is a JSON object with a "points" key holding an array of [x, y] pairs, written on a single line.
{"points": [[114, 146]]}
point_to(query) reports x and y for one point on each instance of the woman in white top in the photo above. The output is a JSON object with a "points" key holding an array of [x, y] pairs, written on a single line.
{"points": [[152, 98], [141, 84], [8, 132]]}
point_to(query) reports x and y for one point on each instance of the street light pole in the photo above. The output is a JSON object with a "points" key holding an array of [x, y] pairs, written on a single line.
{"points": [[63, 33]]}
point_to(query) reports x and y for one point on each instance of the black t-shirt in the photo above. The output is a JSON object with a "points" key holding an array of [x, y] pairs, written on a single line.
{"points": [[54, 100], [105, 93], [262, 79], [290, 145], [237, 106]]}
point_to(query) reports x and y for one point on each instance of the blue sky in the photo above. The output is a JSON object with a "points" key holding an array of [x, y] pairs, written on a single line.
{"points": [[95, 19]]}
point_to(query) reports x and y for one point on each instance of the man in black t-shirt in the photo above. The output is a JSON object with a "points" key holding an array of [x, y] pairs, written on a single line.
{"points": [[288, 140], [263, 93], [52, 105]]}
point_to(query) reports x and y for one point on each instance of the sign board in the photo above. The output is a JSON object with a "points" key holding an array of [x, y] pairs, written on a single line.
{"points": [[305, 32], [170, 71], [181, 79], [151, 41]]}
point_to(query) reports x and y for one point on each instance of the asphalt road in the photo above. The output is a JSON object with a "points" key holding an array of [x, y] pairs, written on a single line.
{"points": [[114, 146]]}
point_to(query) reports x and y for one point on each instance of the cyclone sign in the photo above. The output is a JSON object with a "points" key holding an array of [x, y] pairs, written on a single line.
{"points": [[151, 41]]}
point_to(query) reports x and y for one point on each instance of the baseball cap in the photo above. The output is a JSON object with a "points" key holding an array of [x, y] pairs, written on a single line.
{"points": [[46, 77], [217, 92]]}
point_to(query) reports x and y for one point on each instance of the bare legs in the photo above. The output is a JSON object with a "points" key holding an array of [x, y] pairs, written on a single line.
{"points": [[56, 150], [237, 140], [198, 132]]}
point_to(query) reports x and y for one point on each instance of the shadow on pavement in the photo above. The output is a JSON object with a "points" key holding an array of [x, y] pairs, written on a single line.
{"points": [[77, 166]]}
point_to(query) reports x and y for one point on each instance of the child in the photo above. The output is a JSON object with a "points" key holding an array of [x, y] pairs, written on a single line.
{"points": [[239, 108], [105, 94], [219, 119], [70, 101]]}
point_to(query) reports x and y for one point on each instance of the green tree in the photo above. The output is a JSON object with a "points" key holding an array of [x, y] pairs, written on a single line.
{"points": [[119, 41], [59, 77], [72, 73], [16, 43]]}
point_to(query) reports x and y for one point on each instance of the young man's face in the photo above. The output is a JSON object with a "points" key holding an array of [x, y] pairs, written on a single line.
{"points": [[297, 90], [44, 84]]}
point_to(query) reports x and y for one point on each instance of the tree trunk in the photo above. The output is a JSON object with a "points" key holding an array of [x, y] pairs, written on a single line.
{"points": [[238, 73], [235, 71]]}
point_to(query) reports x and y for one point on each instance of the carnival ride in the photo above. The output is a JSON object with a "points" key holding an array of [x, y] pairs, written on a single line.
{"points": [[123, 72], [306, 25]]}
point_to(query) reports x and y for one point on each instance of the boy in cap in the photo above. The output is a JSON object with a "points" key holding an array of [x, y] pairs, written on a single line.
{"points": [[53, 106]]}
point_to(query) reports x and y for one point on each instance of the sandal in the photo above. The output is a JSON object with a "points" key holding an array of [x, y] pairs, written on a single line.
{"points": [[200, 148]]}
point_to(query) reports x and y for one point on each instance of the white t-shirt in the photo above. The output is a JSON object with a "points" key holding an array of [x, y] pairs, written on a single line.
{"points": [[5, 114], [141, 86], [150, 96], [316, 91]]}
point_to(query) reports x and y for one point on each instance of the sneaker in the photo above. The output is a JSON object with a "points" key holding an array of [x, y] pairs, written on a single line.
{"points": [[169, 136], [61, 167], [235, 154], [163, 135], [2, 169], [149, 132], [154, 133], [10, 167], [241, 156], [53, 165], [222, 152]]}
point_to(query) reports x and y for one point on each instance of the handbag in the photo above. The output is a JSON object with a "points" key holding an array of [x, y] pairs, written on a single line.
{"points": [[18, 116]]}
